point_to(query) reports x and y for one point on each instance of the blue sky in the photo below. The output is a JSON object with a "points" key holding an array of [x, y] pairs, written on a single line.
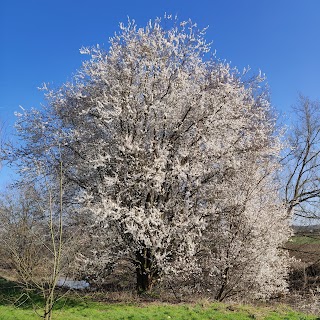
{"points": [[40, 41]]}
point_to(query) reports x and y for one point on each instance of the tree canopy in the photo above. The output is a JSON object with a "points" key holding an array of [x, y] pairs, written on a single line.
{"points": [[169, 156]]}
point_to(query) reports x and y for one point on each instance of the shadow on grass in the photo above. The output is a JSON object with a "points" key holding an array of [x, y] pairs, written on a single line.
{"points": [[13, 294]]}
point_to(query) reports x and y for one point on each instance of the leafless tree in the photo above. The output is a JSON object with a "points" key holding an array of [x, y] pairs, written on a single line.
{"points": [[302, 163], [34, 246]]}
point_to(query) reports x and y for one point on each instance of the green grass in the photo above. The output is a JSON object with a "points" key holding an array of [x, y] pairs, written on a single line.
{"points": [[305, 240], [74, 308], [97, 311], [12, 295]]}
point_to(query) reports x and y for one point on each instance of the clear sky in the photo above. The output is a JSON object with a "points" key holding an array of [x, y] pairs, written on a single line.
{"points": [[40, 41]]}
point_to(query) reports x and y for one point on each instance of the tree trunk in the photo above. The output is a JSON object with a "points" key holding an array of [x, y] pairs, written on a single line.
{"points": [[145, 270], [49, 302], [221, 293], [48, 309]]}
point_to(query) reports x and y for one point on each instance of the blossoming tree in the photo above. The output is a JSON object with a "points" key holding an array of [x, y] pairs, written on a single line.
{"points": [[172, 155]]}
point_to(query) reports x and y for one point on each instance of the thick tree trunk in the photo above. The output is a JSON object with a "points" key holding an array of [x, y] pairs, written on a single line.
{"points": [[145, 270]]}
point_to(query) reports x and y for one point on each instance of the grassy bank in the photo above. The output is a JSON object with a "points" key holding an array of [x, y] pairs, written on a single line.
{"points": [[97, 311], [305, 239], [15, 306]]}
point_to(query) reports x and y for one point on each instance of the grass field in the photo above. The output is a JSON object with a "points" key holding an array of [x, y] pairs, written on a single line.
{"points": [[14, 306], [100, 311], [308, 239]]}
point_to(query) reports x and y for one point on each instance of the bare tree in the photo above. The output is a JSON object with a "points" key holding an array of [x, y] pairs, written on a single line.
{"points": [[33, 243], [302, 163]]}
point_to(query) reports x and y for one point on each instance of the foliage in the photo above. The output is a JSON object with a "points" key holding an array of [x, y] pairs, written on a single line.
{"points": [[169, 161]]}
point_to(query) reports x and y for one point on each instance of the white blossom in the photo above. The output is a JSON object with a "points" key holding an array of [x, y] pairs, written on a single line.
{"points": [[174, 157]]}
